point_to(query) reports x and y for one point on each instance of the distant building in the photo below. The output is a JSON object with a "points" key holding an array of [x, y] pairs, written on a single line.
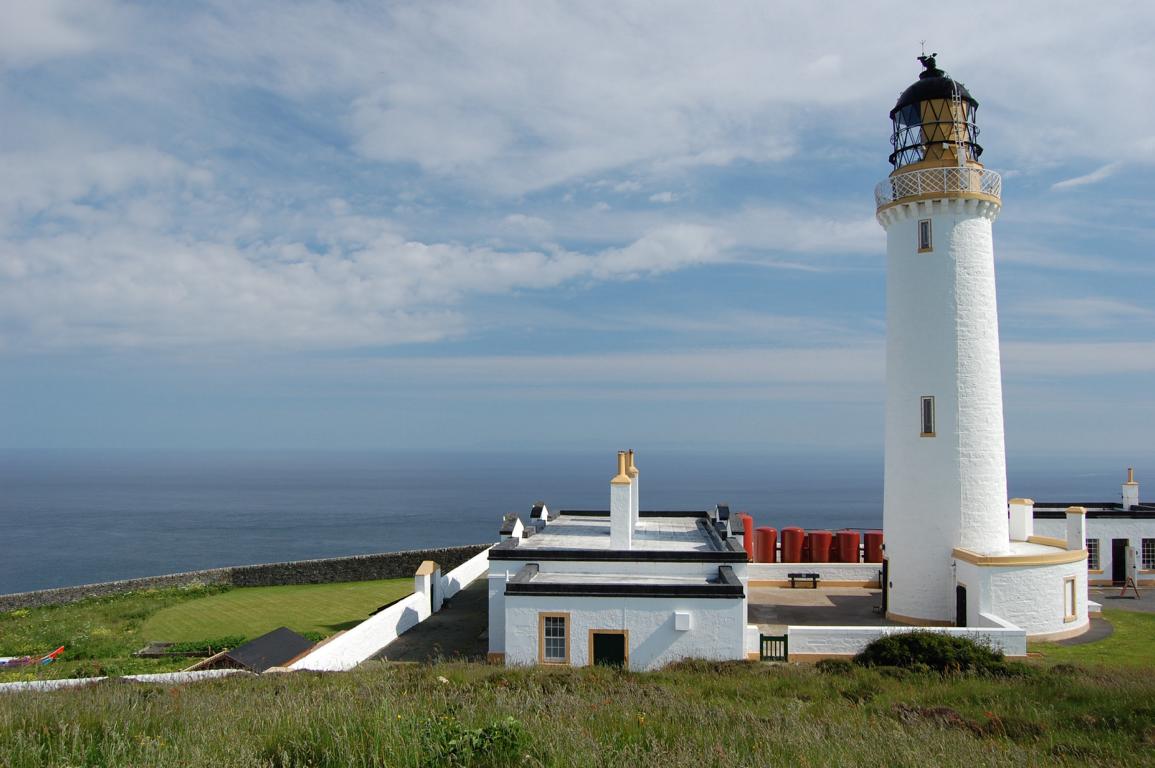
{"points": [[1120, 535]]}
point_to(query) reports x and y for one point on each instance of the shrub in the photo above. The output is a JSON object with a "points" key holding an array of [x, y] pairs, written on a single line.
{"points": [[931, 651], [446, 742]]}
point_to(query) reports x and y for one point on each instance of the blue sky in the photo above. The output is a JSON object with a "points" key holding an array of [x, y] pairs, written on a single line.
{"points": [[258, 225]]}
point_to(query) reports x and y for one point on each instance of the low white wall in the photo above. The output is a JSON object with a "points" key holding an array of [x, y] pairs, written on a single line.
{"points": [[166, 678], [718, 628], [367, 638], [847, 641], [829, 572], [464, 575], [372, 635]]}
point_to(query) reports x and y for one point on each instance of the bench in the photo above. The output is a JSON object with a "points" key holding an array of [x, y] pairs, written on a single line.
{"points": [[796, 577]]}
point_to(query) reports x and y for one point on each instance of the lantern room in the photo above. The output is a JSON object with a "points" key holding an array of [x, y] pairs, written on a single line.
{"points": [[934, 122]]}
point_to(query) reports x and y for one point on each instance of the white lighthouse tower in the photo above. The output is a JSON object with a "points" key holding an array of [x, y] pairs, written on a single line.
{"points": [[957, 552], [945, 482]]}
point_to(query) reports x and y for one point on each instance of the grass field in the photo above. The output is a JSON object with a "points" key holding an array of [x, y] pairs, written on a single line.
{"points": [[312, 608], [694, 715], [1131, 644], [100, 634]]}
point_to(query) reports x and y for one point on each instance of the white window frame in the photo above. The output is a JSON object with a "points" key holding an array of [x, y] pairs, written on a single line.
{"points": [[1147, 549], [1094, 563]]}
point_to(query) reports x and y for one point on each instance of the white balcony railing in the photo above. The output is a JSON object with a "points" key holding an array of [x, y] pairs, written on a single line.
{"points": [[931, 180]]}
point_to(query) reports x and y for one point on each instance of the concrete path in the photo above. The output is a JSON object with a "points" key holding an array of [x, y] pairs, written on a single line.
{"points": [[1108, 597], [454, 632]]}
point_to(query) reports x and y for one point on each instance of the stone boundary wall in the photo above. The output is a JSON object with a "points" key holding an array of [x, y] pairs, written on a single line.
{"points": [[384, 565]]}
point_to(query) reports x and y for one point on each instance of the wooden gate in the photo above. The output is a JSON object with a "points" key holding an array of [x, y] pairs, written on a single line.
{"points": [[773, 647]]}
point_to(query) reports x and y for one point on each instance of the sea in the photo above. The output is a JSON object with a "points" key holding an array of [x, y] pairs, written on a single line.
{"points": [[79, 519]]}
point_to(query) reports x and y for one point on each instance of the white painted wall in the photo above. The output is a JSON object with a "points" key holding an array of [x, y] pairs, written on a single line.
{"points": [[1105, 529], [165, 678], [370, 636], [942, 340], [465, 574], [827, 571], [718, 628], [1029, 597], [847, 641]]}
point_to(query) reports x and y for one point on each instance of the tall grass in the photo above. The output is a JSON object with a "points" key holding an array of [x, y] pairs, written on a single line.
{"points": [[692, 715]]}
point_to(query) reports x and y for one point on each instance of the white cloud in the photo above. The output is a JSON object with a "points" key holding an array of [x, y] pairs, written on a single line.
{"points": [[33, 32], [1095, 176], [127, 285], [1077, 360], [1085, 312], [663, 197]]}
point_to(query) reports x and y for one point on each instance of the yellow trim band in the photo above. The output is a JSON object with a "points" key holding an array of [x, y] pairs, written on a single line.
{"points": [[1057, 558], [1048, 541]]}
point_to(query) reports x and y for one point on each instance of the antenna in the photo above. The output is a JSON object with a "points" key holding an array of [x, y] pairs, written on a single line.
{"points": [[923, 44]]}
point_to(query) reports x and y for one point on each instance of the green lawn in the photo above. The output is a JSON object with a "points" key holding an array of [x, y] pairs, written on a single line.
{"points": [[1132, 644], [313, 608], [100, 634]]}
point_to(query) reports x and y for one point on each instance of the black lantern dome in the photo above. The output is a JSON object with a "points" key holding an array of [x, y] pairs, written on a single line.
{"points": [[934, 121]]}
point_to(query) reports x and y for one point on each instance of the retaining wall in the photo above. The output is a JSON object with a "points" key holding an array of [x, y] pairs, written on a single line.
{"points": [[813, 643], [385, 565]]}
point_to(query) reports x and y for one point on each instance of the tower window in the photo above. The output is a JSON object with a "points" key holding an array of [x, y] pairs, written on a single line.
{"points": [[1093, 555], [924, 240], [927, 416]]}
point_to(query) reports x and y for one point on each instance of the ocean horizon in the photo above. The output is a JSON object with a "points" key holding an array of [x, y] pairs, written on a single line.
{"points": [[78, 519]]}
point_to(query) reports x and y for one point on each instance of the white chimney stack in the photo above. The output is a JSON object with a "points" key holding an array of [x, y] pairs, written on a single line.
{"points": [[1076, 528], [621, 512], [1022, 519], [1130, 491], [632, 471]]}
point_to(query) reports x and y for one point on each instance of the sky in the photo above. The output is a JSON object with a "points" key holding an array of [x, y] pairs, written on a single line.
{"points": [[272, 225]]}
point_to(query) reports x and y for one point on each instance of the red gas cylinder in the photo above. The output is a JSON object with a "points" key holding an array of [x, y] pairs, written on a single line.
{"points": [[747, 535], [792, 544], [765, 545], [873, 547], [833, 556], [820, 546], [847, 546]]}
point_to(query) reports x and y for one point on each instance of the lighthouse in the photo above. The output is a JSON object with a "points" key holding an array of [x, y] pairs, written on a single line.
{"points": [[945, 477]]}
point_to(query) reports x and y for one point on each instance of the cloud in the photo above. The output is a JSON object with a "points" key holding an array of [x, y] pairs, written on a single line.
{"points": [[663, 197], [31, 33], [133, 286], [1041, 359], [1085, 312], [1094, 177]]}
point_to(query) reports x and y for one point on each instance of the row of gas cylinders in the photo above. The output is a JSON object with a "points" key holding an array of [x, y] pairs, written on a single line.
{"points": [[801, 546]]}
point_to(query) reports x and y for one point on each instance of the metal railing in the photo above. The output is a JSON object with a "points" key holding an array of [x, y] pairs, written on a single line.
{"points": [[931, 180]]}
